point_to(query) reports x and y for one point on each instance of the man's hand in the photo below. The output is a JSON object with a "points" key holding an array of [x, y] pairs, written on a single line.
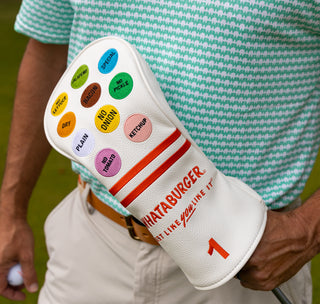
{"points": [[289, 241], [16, 246]]}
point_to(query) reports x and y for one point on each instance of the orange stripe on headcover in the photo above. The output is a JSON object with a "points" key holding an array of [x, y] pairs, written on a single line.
{"points": [[145, 161], [156, 174]]}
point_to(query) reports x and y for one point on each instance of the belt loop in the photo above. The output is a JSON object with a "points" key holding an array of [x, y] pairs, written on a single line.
{"points": [[90, 208], [81, 184], [85, 192]]}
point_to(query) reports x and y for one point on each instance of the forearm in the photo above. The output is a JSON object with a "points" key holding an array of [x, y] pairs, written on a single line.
{"points": [[41, 67]]}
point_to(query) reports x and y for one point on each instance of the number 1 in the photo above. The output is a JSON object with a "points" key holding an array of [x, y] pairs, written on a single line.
{"points": [[213, 245]]}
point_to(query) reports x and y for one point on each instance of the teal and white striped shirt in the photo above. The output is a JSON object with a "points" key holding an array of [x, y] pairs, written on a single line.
{"points": [[242, 76]]}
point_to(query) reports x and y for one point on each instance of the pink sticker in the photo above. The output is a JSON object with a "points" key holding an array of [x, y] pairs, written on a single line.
{"points": [[108, 162], [138, 127]]}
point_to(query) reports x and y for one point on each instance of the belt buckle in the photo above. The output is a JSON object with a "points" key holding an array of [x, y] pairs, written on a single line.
{"points": [[130, 227]]}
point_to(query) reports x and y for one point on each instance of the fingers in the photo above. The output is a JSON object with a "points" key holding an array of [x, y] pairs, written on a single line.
{"points": [[257, 281], [29, 274], [280, 254], [13, 293], [7, 291], [261, 274], [16, 246]]}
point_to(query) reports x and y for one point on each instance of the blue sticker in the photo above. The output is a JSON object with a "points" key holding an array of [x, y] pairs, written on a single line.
{"points": [[108, 61]]}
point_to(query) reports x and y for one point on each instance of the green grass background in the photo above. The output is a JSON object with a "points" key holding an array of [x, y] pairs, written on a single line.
{"points": [[57, 179]]}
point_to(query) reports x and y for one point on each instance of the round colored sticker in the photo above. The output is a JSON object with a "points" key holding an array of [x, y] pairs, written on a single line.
{"points": [[66, 124], [121, 86], [59, 104], [107, 119], [91, 95], [83, 143], [108, 61], [80, 77], [138, 127], [108, 162]]}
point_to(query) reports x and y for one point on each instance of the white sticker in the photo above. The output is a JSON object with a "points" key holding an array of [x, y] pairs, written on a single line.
{"points": [[83, 143]]}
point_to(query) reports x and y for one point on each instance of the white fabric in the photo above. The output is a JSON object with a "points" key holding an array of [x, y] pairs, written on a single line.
{"points": [[209, 224], [93, 260]]}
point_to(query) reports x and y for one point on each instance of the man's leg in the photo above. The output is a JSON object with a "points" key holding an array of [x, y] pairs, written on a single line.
{"points": [[86, 264]]}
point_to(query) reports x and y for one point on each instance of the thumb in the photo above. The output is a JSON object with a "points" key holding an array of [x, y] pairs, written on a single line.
{"points": [[29, 274]]}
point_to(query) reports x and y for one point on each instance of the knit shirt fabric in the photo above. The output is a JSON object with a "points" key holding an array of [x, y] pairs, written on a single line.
{"points": [[241, 75]]}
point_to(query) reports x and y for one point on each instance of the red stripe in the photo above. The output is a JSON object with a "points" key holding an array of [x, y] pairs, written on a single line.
{"points": [[156, 174], [144, 162]]}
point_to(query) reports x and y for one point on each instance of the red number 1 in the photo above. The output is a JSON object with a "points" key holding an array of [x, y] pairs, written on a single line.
{"points": [[213, 245]]}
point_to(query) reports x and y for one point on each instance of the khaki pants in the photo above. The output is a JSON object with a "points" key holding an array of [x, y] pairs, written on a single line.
{"points": [[93, 260]]}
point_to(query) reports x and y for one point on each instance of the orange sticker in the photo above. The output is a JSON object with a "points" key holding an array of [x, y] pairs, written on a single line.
{"points": [[66, 124]]}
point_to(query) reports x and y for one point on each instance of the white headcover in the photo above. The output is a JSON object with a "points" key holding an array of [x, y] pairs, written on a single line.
{"points": [[109, 114]]}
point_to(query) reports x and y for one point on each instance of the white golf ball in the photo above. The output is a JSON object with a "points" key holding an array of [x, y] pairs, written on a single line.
{"points": [[15, 276]]}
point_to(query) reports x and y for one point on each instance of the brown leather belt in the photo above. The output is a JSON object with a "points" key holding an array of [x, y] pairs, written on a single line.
{"points": [[136, 230]]}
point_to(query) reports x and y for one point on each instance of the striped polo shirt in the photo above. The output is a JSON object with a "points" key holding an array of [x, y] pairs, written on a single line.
{"points": [[241, 75]]}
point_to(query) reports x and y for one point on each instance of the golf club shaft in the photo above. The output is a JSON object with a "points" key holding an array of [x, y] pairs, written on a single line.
{"points": [[281, 296], [277, 292]]}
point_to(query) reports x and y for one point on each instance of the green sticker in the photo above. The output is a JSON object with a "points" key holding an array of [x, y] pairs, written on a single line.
{"points": [[80, 77], [121, 86]]}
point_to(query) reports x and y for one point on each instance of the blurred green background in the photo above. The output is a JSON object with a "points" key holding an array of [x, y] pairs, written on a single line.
{"points": [[57, 173]]}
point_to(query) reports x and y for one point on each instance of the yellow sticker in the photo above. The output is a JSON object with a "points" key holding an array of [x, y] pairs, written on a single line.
{"points": [[66, 124], [60, 104], [107, 119]]}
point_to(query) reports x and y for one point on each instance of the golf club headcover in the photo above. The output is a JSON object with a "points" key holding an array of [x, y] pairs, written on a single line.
{"points": [[109, 114]]}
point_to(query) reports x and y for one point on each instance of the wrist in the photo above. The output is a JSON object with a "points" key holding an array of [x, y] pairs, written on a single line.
{"points": [[14, 197], [309, 214], [12, 208], [9, 214]]}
